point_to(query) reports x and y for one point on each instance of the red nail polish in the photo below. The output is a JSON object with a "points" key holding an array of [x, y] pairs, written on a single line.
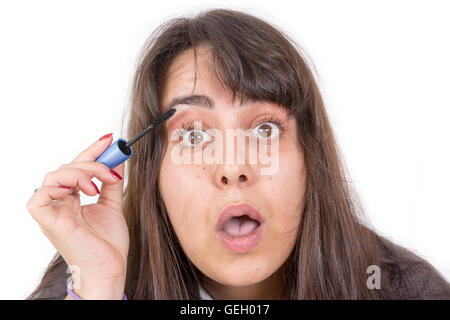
{"points": [[65, 187], [115, 174], [106, 136], [98, 191]]}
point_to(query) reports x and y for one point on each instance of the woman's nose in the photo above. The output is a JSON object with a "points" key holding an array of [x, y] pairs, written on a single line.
{"points": [[233, 174], [235, 169], [242, 178]]}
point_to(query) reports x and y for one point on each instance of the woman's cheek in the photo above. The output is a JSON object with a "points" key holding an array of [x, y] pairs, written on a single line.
{"points": [[285, 191], [180, 185]]}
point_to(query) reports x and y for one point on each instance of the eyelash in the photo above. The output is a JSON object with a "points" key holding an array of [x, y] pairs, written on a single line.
{"points": [[187, 126], [274, 121]]}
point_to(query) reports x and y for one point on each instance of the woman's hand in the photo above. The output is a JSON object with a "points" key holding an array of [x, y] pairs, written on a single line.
{"points": [[93, 238]]}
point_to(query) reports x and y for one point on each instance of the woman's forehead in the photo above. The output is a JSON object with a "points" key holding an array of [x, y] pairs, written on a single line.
{"points": [[189, 74], [185, 77], [183, 67]]}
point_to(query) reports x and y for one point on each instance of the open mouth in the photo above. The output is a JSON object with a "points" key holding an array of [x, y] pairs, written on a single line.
{"points": [[240, 226]]}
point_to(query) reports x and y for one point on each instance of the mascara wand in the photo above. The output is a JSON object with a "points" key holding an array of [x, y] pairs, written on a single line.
{"points": [[121, 150]]}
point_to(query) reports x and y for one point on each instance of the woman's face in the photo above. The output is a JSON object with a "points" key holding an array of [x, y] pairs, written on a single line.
{"points": [[196, 193]]}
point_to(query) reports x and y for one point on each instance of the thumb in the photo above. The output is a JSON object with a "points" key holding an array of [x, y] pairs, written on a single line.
{"points": [[111, 194]]}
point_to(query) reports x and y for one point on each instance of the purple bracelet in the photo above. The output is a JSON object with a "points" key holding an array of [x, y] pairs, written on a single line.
{"points": [[75, 297]]}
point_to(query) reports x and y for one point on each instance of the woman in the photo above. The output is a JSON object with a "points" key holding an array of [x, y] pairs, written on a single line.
{"points": [[166, 237]]}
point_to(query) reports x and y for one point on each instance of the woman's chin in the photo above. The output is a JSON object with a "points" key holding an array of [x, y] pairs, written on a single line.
{"points": [[239, 276]]}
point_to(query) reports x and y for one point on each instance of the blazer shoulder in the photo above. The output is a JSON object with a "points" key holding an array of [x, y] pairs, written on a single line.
{"points": [[411, 276]]}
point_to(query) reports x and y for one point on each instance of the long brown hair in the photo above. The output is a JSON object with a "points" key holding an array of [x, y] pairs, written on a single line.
{"points": [[257, 61]]}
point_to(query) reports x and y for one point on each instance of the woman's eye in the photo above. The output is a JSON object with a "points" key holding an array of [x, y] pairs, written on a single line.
{"points": [[194, 138], [266, 131]]}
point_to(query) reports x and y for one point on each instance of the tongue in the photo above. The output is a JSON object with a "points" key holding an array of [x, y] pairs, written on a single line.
{"points": [[240, 226]]}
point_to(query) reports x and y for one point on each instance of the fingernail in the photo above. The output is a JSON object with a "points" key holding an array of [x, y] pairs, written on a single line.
{"points": [[65, 187], [106, 136], [115, 174], [98, 191]]}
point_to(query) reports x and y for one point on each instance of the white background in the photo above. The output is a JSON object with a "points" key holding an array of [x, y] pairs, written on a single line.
{"points": [[65, 77]]}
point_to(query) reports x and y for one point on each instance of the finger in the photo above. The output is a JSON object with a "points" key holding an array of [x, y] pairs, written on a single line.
{"points": [[93, 169], [112, 188], [112, 194], [40, 204], [73, 177], [94, 150], [72, 200]]}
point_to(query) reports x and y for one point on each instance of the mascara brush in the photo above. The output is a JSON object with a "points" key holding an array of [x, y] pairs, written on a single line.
{"points": [[121, 150]]}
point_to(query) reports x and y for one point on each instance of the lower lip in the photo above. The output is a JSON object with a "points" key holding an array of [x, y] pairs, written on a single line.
{"points": [[244, 243]]}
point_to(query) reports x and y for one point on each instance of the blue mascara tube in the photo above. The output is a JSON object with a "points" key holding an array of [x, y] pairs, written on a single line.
{"points": [[121, 150], [115, 154]]}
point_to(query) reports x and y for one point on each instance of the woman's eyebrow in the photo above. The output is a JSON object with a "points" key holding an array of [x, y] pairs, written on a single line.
{"points": [[192, 100], [201, 101]]}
